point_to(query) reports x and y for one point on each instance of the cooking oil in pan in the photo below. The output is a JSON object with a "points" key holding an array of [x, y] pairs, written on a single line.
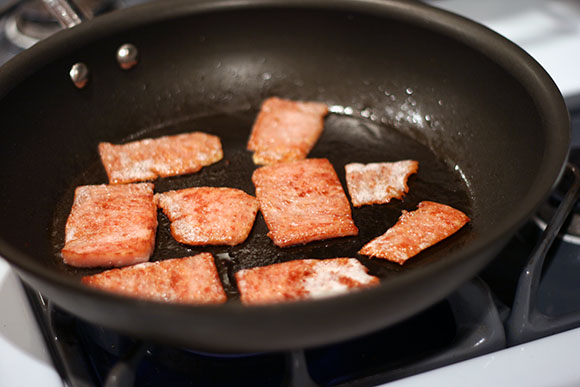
{"points": [[348, 137]]}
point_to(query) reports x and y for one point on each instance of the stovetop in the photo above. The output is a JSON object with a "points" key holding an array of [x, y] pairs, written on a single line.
{"points": [[474, 331]]}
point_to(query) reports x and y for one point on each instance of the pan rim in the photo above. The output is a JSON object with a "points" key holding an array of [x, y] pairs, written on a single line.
{"points": [[539, 84]]}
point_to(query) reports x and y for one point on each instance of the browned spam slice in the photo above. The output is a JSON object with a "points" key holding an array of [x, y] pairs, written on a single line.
{"points": [[286, 130], [209, 215], [192, 280], [303, 201], [378, 183], [161, 157], [110, 225], [302, 279], [415, 231]]}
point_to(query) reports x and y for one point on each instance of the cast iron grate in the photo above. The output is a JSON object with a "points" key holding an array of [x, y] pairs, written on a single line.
{"points": [[463, 326]]}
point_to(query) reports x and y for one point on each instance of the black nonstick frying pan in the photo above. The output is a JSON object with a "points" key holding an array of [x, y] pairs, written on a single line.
{"points": [[486, 123]]}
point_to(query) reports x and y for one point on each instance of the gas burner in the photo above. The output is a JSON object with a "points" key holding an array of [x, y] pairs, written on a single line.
{"points": [[31, 22]]}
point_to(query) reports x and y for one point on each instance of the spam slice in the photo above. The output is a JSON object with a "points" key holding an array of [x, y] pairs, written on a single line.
{"points": [[209, 215], [378, 183], [303, 201], [286, 130], [191, 280], [110, 225], [415, 231], [161, 157], [302, 279]]}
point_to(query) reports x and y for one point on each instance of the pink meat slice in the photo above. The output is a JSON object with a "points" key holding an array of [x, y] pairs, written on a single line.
{"points": [[110, 225], [286, 130], [302, 279], [415, 231], [161, 157], [303, 201], [192, 280], [378, 183], [209, 215]]}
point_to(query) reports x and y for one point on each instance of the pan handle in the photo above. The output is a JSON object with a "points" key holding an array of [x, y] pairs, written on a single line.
{"points": [[68, 13]]}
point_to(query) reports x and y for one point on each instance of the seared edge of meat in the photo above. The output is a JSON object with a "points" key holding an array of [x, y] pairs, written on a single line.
{"points": [[303, 201], [415, 231], [209, 215], [378, 183], [302, 279], [286, 130], [110, 225], [165, 156], [192, 280]]}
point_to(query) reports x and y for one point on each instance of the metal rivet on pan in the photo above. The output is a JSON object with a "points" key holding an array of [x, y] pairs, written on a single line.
{"points": [[127, 56], [79, 74]]}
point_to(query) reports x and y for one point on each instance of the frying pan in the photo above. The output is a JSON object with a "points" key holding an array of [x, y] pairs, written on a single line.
{"points": [[486, 123]]}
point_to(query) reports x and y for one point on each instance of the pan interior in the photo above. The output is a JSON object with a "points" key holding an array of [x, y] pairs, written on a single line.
{"points": [[346, 139]]}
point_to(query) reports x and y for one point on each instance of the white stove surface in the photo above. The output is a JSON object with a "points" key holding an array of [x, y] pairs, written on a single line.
{"points": [[550, 32], [24, 359]]}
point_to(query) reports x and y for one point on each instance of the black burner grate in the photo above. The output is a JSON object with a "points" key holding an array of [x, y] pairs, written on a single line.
{"points": [[453, 330]]}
